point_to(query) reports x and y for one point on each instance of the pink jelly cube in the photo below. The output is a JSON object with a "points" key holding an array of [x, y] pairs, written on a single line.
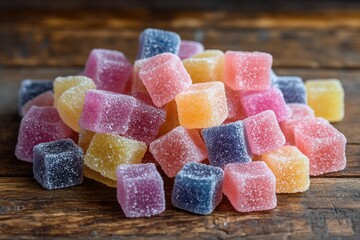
{"points": [[106, 112], [140, 190], [39, 125], [109, 69], [247, 71], [176, 148], [323, 144], [250, 186], [189, 49], [164, 76], [270, 99], [298, 112], [263, 132], [236, 110], [145, 122], [45, 99]]}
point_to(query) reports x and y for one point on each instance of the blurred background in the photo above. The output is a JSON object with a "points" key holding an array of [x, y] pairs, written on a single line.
{"points": [[314, 34]]}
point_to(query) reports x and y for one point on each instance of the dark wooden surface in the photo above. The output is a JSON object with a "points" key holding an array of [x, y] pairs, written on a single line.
{"points": [[42, 44]]}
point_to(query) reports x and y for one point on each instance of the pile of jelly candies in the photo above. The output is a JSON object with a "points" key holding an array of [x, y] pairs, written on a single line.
{"points": [[219, 123]]}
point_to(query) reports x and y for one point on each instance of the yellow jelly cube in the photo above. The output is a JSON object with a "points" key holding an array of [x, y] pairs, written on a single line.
{"points": [[290, 167], [107, 151], [202, 105], [207, 66], [69, 95], [89, 173], [326, 97], [172, 120], [85, 138]]}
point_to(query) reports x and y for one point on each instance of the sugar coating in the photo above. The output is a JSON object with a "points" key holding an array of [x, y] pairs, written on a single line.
{"points": [[247, 71], [290, 167], [85, 137], [298, 112], [107, 151], [269, 99], [145, 122], [94, 175], [226, 144], [202, 105], [323, 144], [140, 190], [172, 120], [30, 88], [198, 188], [45, 99], [189, 49], [58, 164], [250, 186], [107, 112], [109, 69], [69, 95], [207, 66], [326, 97], [164, 76], [263, 132], [137, 85], [292, 88], [155, 41], [235, 108], [39, 125], [176, 148]]}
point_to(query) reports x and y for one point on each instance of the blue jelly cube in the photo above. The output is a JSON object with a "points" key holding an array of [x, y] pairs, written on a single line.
{"points": [[58, 164], [156, 41], [273, 76], [30, 89], [198, 188], [292, 88], [226, 144]]}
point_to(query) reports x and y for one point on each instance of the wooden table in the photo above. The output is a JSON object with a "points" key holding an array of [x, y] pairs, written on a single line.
{"points": [[44, 44]]}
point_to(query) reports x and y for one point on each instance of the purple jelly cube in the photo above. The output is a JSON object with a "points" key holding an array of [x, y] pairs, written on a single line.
{"points": [[226, 144], [39, 125], [198, 188], [140, 190], [155, 41], [263, 132], [58, 164], [270, 99], [145, 122], [29, 89], [292, 88], [189, 49], [106, 112], [109, 69]]}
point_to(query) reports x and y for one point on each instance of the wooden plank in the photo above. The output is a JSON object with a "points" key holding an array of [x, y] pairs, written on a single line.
{"points": [[328, 210], [321, 39]]}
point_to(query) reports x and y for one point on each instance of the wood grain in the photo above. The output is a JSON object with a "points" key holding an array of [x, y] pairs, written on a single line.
{"points": [[78, 212], [316, 39]]}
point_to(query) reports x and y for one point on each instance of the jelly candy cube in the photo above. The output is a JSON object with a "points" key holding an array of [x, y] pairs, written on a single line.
{"points": [[45, 99], [250, 186], [236, 110], [290, 167], [94, 175], [292, 88], [140, 190], [202, 105], [189, 49], [198, 188], [172, 120], [58, 164]]}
